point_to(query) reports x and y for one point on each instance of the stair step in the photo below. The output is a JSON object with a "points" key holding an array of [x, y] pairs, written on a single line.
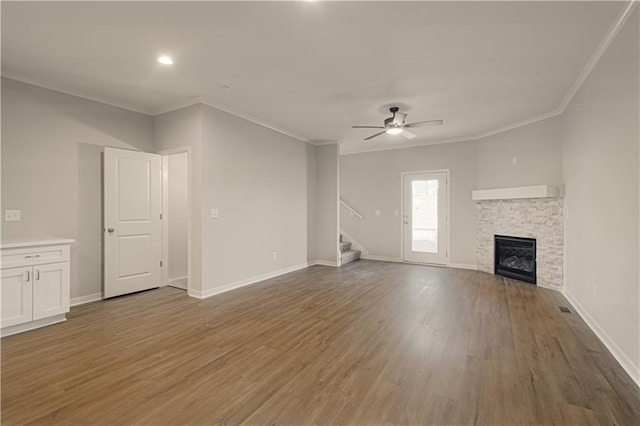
{"points": [[345, 246], [349, 256]]}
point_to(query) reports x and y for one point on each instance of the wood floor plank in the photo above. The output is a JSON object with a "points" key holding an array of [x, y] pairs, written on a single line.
{"points": [[367, 344]]}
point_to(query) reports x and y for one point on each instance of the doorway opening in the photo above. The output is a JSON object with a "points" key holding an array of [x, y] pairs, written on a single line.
{"points": [[425, 217], [176, 218]]}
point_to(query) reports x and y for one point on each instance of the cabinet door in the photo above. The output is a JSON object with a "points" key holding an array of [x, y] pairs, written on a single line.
{"points": [[16, 296], [50, 289]]}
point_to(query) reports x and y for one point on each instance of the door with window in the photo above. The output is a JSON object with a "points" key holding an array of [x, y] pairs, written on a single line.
{"points": [[424, 217]]}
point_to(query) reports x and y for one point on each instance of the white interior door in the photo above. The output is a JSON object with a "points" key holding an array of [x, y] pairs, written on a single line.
{"points": [[425, 216], [132, 221]]}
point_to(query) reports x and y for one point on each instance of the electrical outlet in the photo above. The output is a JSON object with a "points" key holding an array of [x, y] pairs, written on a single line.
{"points": [[377, 212], [275, 255], [395, 212], [595, 292], [12, 215], [514, 161]]}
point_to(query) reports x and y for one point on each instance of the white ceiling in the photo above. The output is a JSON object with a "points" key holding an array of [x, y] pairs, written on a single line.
{"points": [[315, 68]]}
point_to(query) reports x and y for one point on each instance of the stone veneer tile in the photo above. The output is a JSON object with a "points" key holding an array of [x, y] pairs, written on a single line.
{"points": [[539, 218]]}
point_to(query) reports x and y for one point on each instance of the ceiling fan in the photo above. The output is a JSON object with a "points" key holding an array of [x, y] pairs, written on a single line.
{"points": [[395, 125]]}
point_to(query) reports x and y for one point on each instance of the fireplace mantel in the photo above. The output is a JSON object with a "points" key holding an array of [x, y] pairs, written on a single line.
{"points": [[518, 192]]}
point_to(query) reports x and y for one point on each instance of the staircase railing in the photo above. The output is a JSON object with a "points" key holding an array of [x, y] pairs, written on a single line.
{"points": [[351, 210]]}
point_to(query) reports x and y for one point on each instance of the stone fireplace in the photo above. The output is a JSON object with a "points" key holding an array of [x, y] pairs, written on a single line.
{"points": [[540, 219]]}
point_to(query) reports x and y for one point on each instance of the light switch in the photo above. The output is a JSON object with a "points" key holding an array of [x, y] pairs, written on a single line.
{"points": [[395, 212], [377, 212], [12, 215], [215, 213], [514, 161]]}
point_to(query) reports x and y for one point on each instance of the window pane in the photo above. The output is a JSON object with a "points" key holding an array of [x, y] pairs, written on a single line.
{"points": [[424, 229]]}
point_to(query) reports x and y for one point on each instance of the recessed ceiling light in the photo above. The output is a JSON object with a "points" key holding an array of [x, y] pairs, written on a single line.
{"points": [[224, 87], [165, 60], [394, 131]]}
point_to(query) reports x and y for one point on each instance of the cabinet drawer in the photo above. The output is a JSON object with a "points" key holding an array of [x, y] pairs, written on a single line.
{"points": [[13, 258]]}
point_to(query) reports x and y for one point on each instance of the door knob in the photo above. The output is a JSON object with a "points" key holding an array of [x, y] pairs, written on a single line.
{"points": [[110, 230]]}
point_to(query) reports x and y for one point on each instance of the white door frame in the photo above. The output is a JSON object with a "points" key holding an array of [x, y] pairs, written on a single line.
{"points": [[165, 214], [447, 195], [112, 281]]}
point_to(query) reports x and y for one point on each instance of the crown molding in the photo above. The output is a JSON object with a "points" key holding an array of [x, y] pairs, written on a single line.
{"points": [[575, 87], [317, 142], [254, 120], [66, 91], [597, 54]]}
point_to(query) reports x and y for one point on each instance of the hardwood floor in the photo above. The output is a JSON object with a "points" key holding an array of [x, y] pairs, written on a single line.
{"points": [[370, 343]]}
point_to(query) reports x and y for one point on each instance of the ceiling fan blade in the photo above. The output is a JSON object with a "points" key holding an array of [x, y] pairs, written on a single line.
{"points": [[407, 134], [398, 118], [374, 136], [425, 123], [367, 127]]}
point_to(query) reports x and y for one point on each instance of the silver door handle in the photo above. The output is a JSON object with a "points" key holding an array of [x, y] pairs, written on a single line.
{"points": [[28, 276], [405, 222], [111, 230], [37, 275], [31, 256]]}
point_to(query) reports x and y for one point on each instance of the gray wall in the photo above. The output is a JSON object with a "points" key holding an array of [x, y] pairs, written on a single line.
{"points": [[312, 203], [179, 129], [327, 204], [177, 216], [258, 179], [601, 195], [372, 181], [538, 148], [51, 169]]}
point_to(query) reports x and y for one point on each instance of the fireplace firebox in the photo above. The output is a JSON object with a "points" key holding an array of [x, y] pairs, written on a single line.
{"points": [[515, 257]]}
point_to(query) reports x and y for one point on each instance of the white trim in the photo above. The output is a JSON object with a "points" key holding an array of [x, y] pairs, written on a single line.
{"points": [[176, 106], [575, 87], [326, 263], [517, 192], [81, 300], [469, 266], [32, 325], [597, 55], [381, 258], [318, 142], [255, 120], [70, 92], [573, 90], [353, 211], [165, 212], [448, 217], [608, 342], [245, 282]]}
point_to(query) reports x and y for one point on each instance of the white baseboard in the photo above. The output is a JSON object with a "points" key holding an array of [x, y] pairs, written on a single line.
{"points": [[242, 283], [32, 325], [381, 258], [617, 353], [470, 266], [325, 263], [86, 299]]}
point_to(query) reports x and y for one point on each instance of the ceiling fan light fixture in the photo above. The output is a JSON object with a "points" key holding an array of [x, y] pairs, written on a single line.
{"points": [[394, 131]]}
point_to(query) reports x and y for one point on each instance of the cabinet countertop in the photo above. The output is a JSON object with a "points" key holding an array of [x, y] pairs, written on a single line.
{"points": [[34, 242]]}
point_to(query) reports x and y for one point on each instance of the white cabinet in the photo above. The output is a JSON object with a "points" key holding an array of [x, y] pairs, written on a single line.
{"points": [[35, 284], [17, 300]]}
